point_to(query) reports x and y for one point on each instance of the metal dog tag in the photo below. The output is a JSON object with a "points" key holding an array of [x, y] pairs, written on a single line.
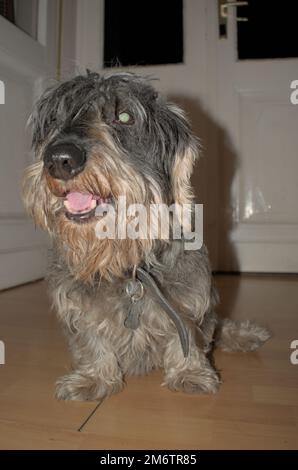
{"points": [[135, 291]]}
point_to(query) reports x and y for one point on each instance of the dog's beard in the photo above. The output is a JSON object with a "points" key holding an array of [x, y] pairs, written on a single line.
{"points": [[89, 257], [58, 207], [67, 211]]}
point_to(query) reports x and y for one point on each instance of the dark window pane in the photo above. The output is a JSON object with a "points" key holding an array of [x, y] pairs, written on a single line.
{"points": [[143, 32], [7, 9], [271, 29]]}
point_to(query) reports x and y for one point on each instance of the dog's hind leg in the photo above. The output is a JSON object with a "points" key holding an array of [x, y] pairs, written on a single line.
{"points": [[239, 336]]}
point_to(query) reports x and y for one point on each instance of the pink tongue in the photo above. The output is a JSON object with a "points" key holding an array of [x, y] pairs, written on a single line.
{"points": [[79, 201]]}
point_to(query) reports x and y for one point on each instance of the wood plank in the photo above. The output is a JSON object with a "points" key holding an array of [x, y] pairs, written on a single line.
{"points": [[35, 356], [256, 407]]}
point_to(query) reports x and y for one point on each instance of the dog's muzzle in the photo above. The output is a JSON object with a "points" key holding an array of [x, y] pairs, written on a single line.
{"points": [[64, 160]]}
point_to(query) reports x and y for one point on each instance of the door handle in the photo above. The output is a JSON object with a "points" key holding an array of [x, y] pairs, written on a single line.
{"points": [[223, 14], [224, 6]]}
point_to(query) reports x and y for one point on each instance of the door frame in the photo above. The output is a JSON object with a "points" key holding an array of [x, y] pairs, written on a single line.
{"points": [[22, 247]]}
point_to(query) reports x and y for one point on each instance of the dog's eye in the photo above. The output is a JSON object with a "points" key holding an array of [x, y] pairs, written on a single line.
{"points": [[125, 118]]}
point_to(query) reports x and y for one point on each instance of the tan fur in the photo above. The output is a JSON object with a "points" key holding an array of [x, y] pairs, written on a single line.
{"points": [[182, 170]]}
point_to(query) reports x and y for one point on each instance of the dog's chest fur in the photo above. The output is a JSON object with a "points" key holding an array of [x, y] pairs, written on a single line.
{"points": [[89, 313]]}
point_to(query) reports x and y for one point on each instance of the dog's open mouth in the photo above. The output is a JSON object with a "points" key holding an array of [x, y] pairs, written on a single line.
{"points": [[81, 206]]}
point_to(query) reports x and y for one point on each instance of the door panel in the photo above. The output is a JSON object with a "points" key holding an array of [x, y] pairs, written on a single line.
{"points": [[24, 64], [259, 225], [186, 83]]}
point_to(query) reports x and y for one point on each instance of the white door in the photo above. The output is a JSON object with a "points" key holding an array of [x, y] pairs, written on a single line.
{"points": [[26, 59], [186, 83], [258, 157]]}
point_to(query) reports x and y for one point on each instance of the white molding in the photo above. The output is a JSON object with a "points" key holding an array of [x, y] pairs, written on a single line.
{"points": [[211, 15], [17, 234], [42, 28], [49, 35], [8, 216], [265, 232], [266, 257], [22, 266], [89, 34], [19, 51]]}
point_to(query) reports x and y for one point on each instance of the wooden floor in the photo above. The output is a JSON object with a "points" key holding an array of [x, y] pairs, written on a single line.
{"points": [[256, 407]]}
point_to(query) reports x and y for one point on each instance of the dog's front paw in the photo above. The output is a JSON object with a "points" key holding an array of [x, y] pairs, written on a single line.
{"points": [[76, 386], [193, 381]]}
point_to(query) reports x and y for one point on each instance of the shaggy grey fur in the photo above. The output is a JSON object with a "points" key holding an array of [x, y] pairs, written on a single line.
{"points": [[93, 312]]}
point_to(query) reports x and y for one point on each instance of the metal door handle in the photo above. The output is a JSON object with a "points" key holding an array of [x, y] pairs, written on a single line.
{"points": [[225, 6]]}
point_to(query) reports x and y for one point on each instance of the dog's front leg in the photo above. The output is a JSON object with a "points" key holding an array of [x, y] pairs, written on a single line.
{"points": [[191, 374], [96, 372]]}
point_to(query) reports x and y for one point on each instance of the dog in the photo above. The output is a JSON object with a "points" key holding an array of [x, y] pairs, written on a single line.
{"points": [[97, 138]]}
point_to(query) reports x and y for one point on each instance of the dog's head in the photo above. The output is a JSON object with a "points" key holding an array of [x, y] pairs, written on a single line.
{"points": [[98, 138]]}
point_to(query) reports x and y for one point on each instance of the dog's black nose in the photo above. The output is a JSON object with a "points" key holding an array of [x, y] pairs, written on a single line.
{"points": [[64, 160]]}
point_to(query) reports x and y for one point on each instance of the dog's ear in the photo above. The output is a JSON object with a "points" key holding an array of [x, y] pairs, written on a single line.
{"points": [[185, 151]]}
